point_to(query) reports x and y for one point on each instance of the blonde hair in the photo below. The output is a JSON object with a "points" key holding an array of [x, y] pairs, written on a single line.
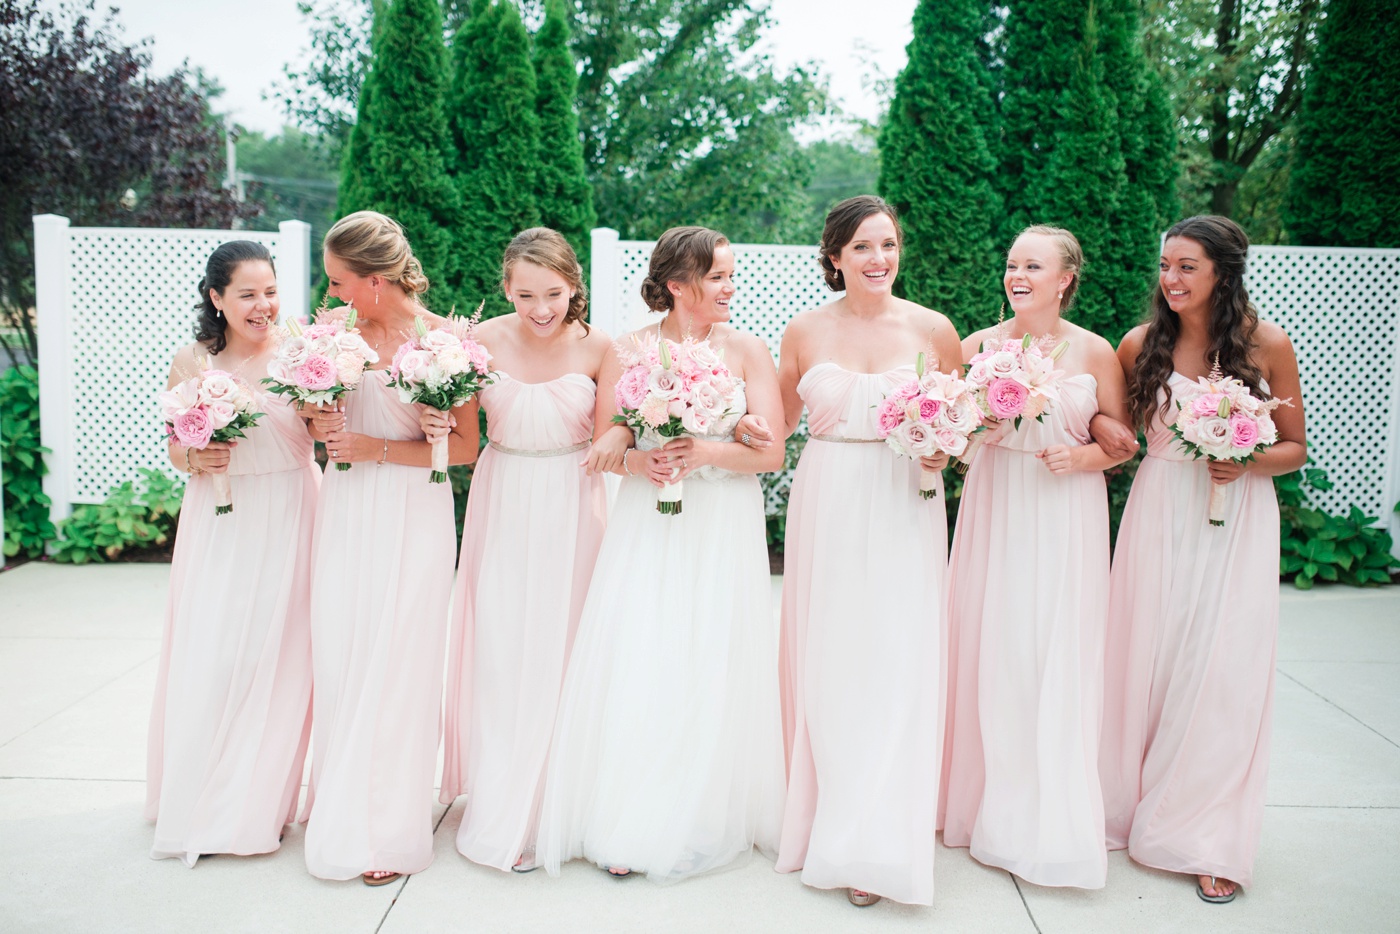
{"points": [[372, 244], [1071, 256], [547, 249], [683, 254]]}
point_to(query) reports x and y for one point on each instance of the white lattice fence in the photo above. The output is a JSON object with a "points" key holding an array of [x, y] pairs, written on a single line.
{"points": [[114, 304], [1341, 306]]}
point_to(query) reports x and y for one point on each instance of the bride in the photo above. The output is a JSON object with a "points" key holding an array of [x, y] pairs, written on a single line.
{"points": [[667, 752]]}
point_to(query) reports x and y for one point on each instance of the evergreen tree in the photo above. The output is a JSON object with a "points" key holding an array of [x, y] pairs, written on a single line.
{"points": [[936, 165], [1345, 183], [565, 198], [496, 130], [1084, 149], [351, 195], [396, 160]]}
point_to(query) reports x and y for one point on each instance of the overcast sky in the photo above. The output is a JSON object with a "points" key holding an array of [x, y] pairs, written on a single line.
{"points": [[245, 43]]}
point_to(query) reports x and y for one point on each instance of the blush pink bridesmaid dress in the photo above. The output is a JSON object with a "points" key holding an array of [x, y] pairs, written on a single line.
{"points": [[1193, 627], [381, 577], [533, 526], [1028, 586], [231, 718], [861, 660]]}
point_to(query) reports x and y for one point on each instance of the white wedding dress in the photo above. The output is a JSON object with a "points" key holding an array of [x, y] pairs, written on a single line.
{"points": [[667, 752]]}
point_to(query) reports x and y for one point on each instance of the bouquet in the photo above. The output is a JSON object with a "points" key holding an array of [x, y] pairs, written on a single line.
{"points": [[1015, 379], [931, 414], [672, 390], [212, 406], [1221, 420], [318, 364], [441, 368]]}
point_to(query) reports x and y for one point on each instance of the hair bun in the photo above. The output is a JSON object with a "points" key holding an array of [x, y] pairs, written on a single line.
{"points": [[656, 296]]}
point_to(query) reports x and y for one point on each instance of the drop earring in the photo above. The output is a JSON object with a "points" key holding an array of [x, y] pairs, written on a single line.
{"points": [[376, 296]]}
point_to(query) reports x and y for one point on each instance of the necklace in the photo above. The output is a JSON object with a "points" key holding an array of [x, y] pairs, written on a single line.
{"points": [[660, 336]]}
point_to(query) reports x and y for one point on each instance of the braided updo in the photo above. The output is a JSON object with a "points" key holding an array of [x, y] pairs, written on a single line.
{"points": [[372, 244]]}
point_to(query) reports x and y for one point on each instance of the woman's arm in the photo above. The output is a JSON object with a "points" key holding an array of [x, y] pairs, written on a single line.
{"points": [[764, 399], [1112, 395], [1290, 451]]}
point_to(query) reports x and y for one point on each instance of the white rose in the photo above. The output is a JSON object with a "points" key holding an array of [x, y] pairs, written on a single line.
{"points": [[1001, 364], [454, 360], [664, 383], [704, 356], [696, 421], [324, 345], [349, 367], [962, 417], [414, 366], [218, 386], [705, 398], [916, 438], [979, 374], [435, 378], [220, 414], [439, 340], [292, 352], [1213, 436]]}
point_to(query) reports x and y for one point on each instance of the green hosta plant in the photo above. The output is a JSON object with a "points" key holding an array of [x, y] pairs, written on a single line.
{"points": [[135, 515], [27, 525], [1315, 545]]}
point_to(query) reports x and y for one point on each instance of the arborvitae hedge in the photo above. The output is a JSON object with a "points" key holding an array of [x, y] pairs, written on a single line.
{"points": [[1344, 188], [562, 191], [937, 168], [496, 130], [405, 173]]}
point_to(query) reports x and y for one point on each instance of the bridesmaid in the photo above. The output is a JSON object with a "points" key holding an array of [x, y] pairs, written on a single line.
{"points": [[1193, 609], [667, 755], [380, 582], [861, 656], [1029, 599], [231, 718], [533, 525]]}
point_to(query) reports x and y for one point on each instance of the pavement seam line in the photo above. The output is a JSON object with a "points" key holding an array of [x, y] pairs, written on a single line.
{"points": [[107, 683], [1024, 904], [1328, 701], [404, 884]]}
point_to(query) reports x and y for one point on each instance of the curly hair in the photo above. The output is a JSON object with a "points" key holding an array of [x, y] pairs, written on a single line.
{"points": [[372, 244], [682, 254], [1233, 320], [211, 326], [546, 248], [842, 221]]}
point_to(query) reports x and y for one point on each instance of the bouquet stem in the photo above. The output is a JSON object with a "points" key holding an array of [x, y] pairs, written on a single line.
{"points": [[668, 498], [341, 466], [928, 484], [1217, 504], [439, 474], [223, 495]]}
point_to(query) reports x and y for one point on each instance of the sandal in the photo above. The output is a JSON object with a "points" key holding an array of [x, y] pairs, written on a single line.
{"points": [[385, 879], [613, 871], [861, 899], [1215, 899], [521, 866]]}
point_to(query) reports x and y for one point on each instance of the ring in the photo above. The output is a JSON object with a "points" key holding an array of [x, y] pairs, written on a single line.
{"points": [[746, 439], [333, 454], [684, 464]]}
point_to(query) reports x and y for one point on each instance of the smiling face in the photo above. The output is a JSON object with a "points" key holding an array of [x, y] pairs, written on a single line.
{"points": [[707, 302], [1035, 273], [249, 303], [540, 296], [344, 284], [1187, 276], [870, 261]]}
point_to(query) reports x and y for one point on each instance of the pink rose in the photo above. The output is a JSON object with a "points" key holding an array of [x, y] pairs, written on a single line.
{"points": [[1207, 403], [1006, 398], [415, 365], [316, 373], [192, 428], [949, 441], [220, 414], [929, 409], [889, 417], [907, 390], [632, 388], [1244, 434]]}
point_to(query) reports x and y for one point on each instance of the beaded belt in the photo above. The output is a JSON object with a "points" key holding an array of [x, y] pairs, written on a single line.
{"points": [[557, 452], [837, 439]]}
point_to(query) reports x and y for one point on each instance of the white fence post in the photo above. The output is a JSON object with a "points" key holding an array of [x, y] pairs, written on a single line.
{"points": [[51, 246], [294, 269], [603, 281]]}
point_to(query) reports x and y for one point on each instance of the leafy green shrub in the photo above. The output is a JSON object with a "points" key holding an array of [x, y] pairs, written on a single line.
{"points": [[27, 525], [131, 518], [1315, 545]]}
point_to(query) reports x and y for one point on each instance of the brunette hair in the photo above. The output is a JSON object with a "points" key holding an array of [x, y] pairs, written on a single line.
{"points": [[1071, 257], [1233, 320], [683, 254], [372, 244], [211, 326], [842, 222], [540, 246]]}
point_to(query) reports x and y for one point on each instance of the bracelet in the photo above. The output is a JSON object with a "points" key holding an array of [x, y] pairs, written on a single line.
{"points": [[624, 462], [189, 467], [384, 456]]}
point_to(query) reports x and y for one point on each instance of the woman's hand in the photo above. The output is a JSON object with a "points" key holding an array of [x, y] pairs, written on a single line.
{"points": [[1060, 458], [1116, 439], [436, 424], [212, 458], [649, 464], [687, 454], [1223, 472], [348, 447], [934, 464], [607, 452], [327, 419], [753, 431]]}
